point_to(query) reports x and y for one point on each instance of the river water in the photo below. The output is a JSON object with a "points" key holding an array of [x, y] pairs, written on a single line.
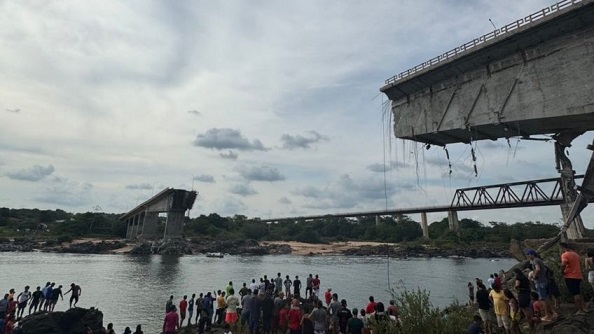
{"points": [[132, 290]]}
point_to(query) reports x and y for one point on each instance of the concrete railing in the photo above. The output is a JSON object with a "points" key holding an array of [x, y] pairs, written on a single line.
{"points": [[507, 29]]}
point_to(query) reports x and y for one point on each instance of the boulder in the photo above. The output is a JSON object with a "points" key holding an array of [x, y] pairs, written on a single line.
{"points": [[71, 321]]}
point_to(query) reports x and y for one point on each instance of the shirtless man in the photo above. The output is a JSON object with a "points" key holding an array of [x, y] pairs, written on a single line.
{"points": [[76, 290]]}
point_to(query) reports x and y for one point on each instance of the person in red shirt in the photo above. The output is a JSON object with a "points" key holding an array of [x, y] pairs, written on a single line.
{"points": [[295, 316], [572, 273], [315, 283], [370, 308], [183, 306], [282, 318], [328, 296], [497, 279], [171, 322]]}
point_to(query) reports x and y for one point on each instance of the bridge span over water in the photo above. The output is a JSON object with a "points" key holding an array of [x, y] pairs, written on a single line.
{"points": [[541, 192]]}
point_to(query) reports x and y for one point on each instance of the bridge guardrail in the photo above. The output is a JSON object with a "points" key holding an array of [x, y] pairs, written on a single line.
{"points": [[489, 36]]}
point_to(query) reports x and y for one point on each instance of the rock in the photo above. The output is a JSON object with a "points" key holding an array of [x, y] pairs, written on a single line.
{"points": [[143, 248], [89, 247], [172, 247], [70, 322], [238, 247]]}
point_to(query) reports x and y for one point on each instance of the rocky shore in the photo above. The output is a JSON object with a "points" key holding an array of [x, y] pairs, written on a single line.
{"points": [[245, 247], [425, 252]]}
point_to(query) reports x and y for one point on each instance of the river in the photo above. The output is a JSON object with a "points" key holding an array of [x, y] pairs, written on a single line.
{"points": [[132, 290]]}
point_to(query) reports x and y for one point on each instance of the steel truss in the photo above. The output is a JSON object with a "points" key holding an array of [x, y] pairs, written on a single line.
{"points": [[510, 195]]}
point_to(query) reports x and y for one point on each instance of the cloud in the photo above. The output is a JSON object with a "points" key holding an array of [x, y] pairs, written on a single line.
{"points": [[33, 174], [229, 206], [230, 155], [225, 138], [393, 165], [294, 142], [261, 173], [346, 192], [194, 112], [142, 186], [284, 200], [242, 189], [63, 191], [205, 178]]}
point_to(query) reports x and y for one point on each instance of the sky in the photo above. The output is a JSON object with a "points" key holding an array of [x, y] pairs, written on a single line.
{"points": [[266, 108]]}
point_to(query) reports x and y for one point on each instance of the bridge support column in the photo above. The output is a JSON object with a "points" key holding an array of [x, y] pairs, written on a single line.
{"points": [[175, 224], [149, 227], [565, 168], [377, 220], [399, 218], [424, 225], [129, 222], [134, 231], [453, 220]]}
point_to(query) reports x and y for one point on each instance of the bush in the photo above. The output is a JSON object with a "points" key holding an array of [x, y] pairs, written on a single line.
{"points": [[418, 315]]}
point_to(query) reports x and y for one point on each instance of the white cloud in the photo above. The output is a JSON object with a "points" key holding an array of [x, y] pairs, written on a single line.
{"points": [[119, 94]]}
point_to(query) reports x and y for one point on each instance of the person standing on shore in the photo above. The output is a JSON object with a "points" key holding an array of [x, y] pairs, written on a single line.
{"points": [[295, 316], [43, 296], [36, 299], [315, 283], [296, 286], [328, 297], [183, 307], [171, 321], [288, 284], [199, 307], [190, 309], [540, 272], [23, 299], [572, 273], [48, 297], [278, 283], [56, 294], [308, 285], [470, 293], [231, 314], [76, 290], [168, 304], [484, 307]]}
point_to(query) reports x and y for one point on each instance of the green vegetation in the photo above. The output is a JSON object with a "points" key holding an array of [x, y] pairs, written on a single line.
{"points": [[62, 226], [418, 315]]}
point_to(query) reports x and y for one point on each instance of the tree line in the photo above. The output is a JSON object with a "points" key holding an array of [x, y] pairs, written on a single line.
{"points": [[26, 222]]}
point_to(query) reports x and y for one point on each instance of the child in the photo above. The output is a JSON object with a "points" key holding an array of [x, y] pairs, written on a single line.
{"points": [[514, 312], [537, 306]]}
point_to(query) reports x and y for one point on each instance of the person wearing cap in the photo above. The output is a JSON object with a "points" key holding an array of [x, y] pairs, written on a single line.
{"points": [[539, 271], [572, 273]]}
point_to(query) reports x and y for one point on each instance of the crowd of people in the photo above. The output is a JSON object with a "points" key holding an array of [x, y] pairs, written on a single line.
{"points": [[13, 308], [529, 296], [275, 306]]}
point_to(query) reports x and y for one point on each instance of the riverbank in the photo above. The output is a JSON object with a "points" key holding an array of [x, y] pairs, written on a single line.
{"points": [[252, 247]]}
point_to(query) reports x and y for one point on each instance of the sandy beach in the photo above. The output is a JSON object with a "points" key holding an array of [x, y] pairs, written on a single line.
{"points": [[301, 248]]}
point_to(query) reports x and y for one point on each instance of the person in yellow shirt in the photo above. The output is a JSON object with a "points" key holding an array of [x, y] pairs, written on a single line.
{"points": [[501, 308], [221, 305]]}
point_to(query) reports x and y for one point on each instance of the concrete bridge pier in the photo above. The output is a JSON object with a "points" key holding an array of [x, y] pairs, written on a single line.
{"points": [[149, 228], [174, 225], [453, 221], [377, 220], [424, 225]]}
